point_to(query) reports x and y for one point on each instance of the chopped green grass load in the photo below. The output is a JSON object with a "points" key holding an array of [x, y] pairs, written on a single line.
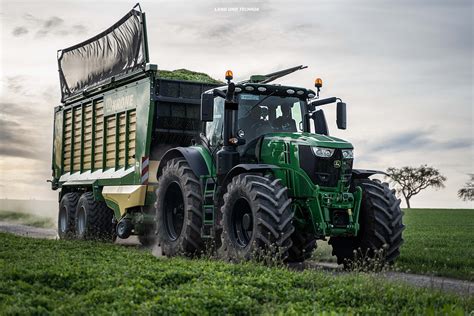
{"points": [[184, 74], [81, 278]]}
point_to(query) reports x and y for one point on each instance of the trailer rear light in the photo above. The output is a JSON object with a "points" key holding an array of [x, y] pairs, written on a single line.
{"points": [[237, 90], [262, 89], [300, 92], [310, 95], [290, 91]]}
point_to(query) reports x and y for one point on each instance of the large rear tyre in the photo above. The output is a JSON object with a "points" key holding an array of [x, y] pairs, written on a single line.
{"points": [[94, 219], [257, 220], [303, 246], [381, 227], [179, 210], [148, 238], [66, 215]]}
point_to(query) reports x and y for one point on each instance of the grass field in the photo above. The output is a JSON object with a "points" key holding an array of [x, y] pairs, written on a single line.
{"points": [[437, 242], [73, 277], [26, 219]]}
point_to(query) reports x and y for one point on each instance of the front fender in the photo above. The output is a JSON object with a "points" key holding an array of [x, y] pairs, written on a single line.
{"points": [[193, 155], [246, 168], [365, 173]]}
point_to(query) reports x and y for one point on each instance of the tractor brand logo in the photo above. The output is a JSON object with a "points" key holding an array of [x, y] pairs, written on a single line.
{"points": [[337, 164]]}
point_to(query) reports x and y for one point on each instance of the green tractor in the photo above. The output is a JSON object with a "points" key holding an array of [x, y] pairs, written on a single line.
{"points": [[267, 179]]}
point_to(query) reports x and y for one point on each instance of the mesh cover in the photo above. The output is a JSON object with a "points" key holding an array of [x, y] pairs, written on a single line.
{"points": [[116, 51]]}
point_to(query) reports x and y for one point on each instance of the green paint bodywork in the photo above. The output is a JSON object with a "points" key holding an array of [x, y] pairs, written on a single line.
{"points": [[281, 150]]}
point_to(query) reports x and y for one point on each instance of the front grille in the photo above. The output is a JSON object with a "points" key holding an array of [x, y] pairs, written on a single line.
{"points": [[322, 171]]}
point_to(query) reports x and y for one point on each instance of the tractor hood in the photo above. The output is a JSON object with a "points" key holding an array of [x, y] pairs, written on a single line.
{"points": [[309, 139]]}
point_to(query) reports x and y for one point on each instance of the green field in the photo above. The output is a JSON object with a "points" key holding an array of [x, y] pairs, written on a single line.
{"points": [[26, 219], [73, 277], [437, 242]]}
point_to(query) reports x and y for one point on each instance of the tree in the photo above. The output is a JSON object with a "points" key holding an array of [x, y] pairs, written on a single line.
{"points": [[409, 181], [466, 193]]}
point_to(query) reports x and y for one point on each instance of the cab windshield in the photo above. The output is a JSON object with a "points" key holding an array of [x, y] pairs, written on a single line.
{"points": [[261, 114], [258, 115]]}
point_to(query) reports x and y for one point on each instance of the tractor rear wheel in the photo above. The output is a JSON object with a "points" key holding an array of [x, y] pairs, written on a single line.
{"points": [[94, 219], [303, 246], [256, 219], [66, 215], [148, 238], [179, 210], [381, 227]]}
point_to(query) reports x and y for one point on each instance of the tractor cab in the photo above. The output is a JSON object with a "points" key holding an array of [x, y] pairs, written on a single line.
{"points": [[262, 109]]}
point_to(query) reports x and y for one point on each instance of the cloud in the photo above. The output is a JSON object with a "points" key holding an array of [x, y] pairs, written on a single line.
{"points": [[19, 31], [43, 27], [14, 142], [15, 84], [416, 140]]}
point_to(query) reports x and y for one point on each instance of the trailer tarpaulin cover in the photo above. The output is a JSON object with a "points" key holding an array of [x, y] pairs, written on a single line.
{"points": [[116, 51]]}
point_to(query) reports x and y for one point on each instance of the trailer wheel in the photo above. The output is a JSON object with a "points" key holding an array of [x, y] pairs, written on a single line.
{"points": [[94, 219], [302, 248], [256, 219], [66, 215], [381, 226], [179, 210]]}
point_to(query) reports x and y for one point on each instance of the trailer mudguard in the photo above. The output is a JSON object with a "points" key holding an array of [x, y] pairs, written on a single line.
{"points": [[192, 155], [364, 173]]}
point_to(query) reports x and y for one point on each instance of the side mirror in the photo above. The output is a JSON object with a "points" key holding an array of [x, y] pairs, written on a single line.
{"points": [[207, 107], [341, 118], [320, 124]]}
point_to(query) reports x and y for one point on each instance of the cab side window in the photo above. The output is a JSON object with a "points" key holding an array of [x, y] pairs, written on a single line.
{"points": [[214, 129]]}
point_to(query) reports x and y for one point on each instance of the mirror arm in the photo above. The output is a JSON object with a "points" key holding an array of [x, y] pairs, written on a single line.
{"points": [[219, 93]]}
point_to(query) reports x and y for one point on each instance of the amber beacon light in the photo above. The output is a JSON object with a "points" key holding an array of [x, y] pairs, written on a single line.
{"points": [[229, 75]]}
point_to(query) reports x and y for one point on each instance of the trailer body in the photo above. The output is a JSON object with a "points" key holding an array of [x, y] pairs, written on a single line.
{"points": [[110, 142]]}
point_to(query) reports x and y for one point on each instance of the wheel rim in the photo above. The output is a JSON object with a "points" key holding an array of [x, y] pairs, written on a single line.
{"points": [[173, 208], [81, 222], [62, 220], [242, 222]]}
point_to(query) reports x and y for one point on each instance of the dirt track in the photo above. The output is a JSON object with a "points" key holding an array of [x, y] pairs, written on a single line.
{"points": [[439, 283]]}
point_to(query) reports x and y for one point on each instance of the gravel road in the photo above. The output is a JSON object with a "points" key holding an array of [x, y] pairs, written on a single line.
{"points": [[439, 283]]}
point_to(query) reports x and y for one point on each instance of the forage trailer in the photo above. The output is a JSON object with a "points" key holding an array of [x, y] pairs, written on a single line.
{"points": [[242, 169]]}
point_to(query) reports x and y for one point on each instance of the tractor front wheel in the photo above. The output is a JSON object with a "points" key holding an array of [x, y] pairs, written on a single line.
{"points": [[256, 219], [302, 248], [178, 210], [381, 227]]}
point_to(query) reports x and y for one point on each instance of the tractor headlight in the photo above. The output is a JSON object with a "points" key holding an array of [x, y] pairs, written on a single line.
{"points": [[323, 152], [347, 154]]}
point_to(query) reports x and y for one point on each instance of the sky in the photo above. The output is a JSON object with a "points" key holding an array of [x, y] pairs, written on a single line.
{"points": [[404, 68]]}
